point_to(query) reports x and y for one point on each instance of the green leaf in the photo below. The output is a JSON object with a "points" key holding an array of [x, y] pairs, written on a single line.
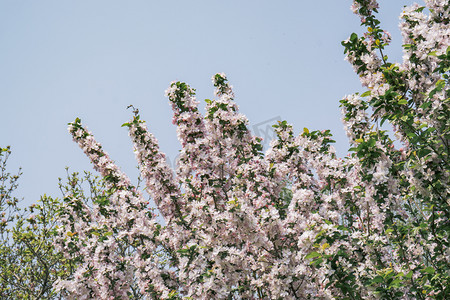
{"points": [[365, 94], [183, 251], [395, 282], [312, 255], [425, 105], [403, 101], [126, 124], [377, 279], [420, 9], [429, 270], [409, 275], [317, 262], [423, 152]]}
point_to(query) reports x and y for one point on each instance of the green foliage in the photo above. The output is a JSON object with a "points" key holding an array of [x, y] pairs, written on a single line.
{"points": [[30, 265]]}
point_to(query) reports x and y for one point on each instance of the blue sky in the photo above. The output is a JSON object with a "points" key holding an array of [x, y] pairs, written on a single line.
{"points": [[91, 59]]}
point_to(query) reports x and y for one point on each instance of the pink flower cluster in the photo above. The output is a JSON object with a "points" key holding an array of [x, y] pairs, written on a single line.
{"points": [[296, 222]]}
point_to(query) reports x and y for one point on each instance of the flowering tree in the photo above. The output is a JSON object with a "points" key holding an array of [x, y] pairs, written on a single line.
{"points": [[29, 263], [296, 222]]}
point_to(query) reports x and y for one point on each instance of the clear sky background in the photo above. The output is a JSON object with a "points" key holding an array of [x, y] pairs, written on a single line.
{"points": [[91, 59]]}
